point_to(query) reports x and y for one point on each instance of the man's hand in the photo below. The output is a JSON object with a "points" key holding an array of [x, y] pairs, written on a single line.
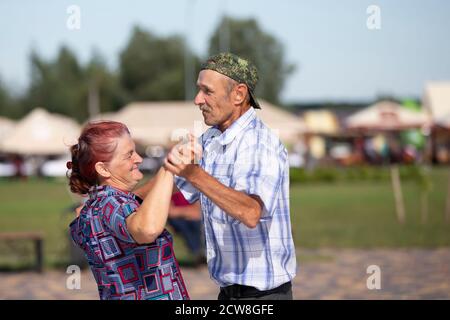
{"points": [[183, 158]]}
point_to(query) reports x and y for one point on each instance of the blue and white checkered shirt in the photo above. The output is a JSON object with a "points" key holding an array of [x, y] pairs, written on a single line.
{"points": [[247, 157]]}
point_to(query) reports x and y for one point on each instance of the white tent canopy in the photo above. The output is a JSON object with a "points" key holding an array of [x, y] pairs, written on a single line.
{"points": [[436, 101], [444, 121], [41, 133], [163, 123], [288, 126], [158, 123], [386, 115], [6, 126]]}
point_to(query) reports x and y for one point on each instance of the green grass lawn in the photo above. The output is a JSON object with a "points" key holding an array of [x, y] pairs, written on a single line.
{"points": [[362, 215], [341, 214]]}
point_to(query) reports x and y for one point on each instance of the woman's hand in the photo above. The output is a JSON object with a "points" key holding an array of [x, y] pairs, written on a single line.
{"points": [[183, 158]]}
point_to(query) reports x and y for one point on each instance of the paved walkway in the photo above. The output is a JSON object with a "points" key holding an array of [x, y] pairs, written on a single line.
{"points": [[322, 274]]}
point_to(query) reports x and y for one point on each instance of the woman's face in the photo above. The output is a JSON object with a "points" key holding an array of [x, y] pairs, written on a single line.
{"points": [[123, 167]]}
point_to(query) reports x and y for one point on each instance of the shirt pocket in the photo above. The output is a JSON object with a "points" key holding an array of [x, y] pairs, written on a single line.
{"points": [[223, 174]]}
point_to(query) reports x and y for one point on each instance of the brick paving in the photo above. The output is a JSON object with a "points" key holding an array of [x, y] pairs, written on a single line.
{"points": [[322, 274]]}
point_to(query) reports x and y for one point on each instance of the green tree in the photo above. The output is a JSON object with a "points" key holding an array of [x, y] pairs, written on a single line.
{"points": [[105, 84], [65, 86], [245, 38], [9, 106], [57, 86], [152, 68]]}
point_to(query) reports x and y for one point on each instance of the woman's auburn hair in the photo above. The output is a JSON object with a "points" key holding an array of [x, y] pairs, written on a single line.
{"points": [[97, 143]]}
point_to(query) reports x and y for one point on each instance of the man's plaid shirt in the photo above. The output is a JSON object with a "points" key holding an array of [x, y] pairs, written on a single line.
{"points": [[247, 157]]}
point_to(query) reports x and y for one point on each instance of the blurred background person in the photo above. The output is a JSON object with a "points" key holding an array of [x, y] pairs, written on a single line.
{"points": [[185, 219]]}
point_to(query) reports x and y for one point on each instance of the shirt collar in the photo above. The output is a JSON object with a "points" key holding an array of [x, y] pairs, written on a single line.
{"points": [[98, 191], [236, 127]]}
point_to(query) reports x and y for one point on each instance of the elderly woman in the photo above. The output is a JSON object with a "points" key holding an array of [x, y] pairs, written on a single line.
{"points": [[121, 231]]}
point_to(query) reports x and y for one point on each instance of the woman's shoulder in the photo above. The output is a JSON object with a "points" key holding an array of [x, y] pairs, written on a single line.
{"points": [[112, 201], [105, 194]]}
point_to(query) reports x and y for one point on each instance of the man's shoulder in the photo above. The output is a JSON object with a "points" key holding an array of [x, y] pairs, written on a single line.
{"points": [[258, 133]]}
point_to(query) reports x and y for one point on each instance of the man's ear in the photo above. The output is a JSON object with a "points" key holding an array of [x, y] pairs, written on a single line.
{"points": [[102, 170], [241, 93]]}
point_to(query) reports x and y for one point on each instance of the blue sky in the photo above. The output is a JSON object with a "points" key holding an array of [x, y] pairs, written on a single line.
{"points": [[338, 58]]}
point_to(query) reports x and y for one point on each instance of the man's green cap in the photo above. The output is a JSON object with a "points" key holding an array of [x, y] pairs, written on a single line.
{"points": [[236, 68]]}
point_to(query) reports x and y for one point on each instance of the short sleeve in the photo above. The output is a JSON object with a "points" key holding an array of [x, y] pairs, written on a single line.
{"points": [[115, 211], [75, 232], [190, 193], [260, 171]]}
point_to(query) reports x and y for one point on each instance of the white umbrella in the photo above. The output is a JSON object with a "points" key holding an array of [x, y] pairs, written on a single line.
{"points": [[41, 133]]}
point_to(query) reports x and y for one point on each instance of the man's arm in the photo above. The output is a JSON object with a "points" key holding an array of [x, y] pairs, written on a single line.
{"points": [[239, 205]]}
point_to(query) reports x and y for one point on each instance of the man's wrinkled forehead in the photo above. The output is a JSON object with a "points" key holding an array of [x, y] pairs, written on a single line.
{"points": [[211, 78]]}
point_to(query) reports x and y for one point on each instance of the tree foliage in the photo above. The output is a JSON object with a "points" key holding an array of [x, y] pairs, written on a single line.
{"points": [[9, 106], [62, 86], [245, 38], [152, 68]]}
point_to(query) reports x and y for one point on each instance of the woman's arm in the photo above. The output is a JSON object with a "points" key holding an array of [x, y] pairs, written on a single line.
{"points": [[143, 190], [149, 220]]}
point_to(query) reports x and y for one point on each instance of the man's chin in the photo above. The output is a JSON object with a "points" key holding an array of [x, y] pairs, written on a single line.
{"points": [[209, 122]]}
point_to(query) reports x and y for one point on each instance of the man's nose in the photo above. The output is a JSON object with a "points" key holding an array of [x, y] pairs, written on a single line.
{"points": [[138, 158], [199, 99]]}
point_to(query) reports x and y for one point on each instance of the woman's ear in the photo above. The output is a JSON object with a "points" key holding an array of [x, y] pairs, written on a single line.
{"points": [[102, 170]]}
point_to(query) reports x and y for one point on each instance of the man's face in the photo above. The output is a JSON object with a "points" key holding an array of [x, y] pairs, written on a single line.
{"points": [[213, 98]]}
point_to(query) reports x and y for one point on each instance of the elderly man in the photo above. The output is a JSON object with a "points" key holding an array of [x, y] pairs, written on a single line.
{"points": [[242, 182]]}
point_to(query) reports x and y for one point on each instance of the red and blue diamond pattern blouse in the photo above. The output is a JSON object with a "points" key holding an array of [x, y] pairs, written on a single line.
{"points": [[122, 268]]}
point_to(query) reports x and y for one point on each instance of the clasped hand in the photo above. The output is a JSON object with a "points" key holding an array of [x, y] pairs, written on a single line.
{"points": [[183, 158]]}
